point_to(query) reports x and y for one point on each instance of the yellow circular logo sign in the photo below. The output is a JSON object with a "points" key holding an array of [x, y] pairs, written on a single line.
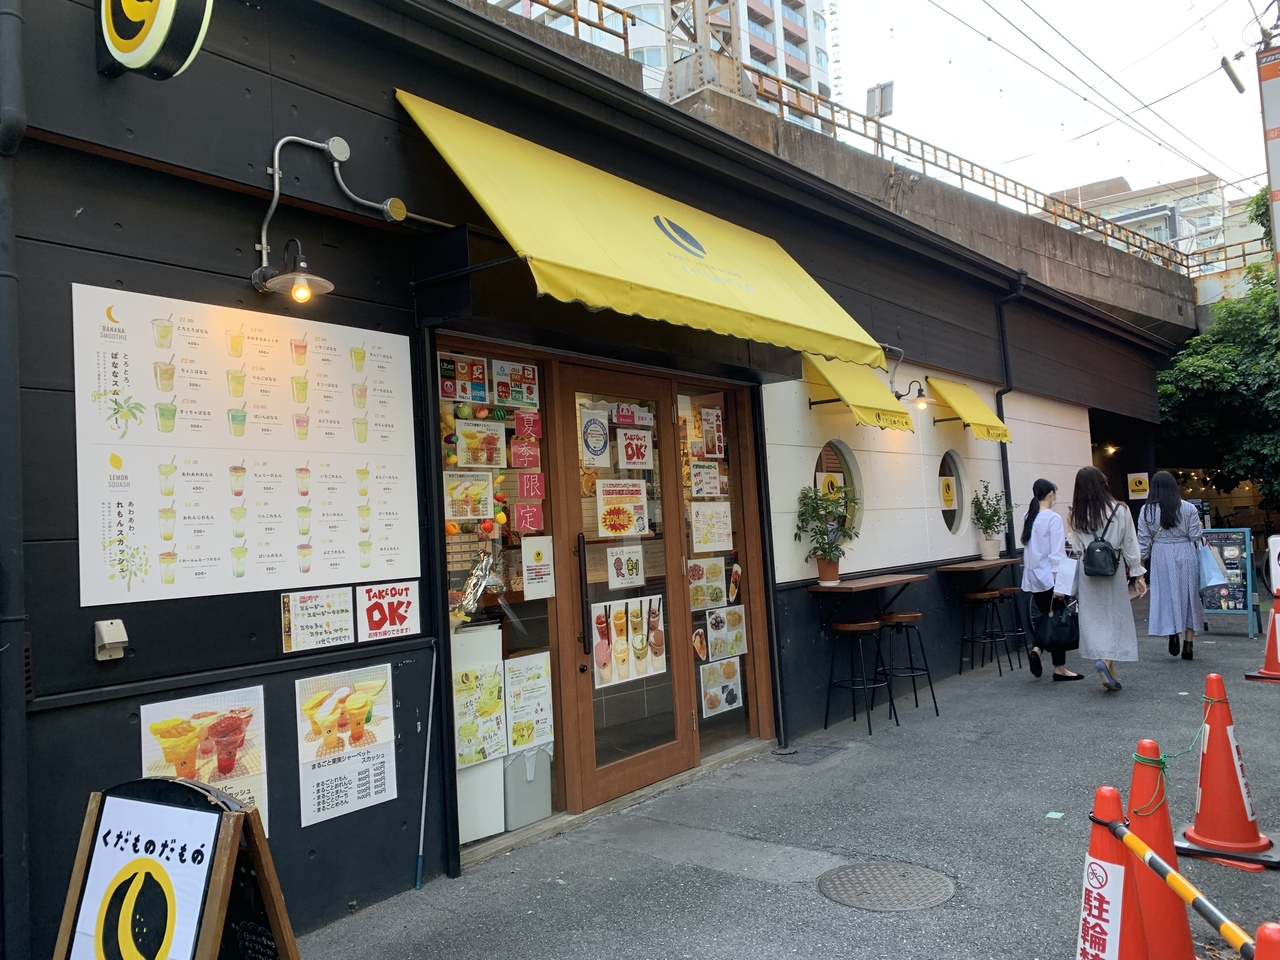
{"points": [[158, 38], [537, 556], [948, 488], [138, 913]]}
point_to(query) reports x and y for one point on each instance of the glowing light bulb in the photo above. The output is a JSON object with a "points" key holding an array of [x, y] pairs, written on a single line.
{"points": [[301, 291], [922, 404]]}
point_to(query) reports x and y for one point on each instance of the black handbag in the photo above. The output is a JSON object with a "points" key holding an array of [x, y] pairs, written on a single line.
{"points": [[1059, 630]]}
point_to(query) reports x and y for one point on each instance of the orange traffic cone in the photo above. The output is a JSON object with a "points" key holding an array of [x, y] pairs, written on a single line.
{"points": [[1164, 915], [1226, 827], [1270, 671], [1266, 945], [1110, 913]]}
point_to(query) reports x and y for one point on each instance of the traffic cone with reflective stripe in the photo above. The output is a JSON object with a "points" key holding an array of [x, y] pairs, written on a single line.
{"points": [[1225, 827], [1164, 915], [1270, 671], [1266, 945], [1110, 911]]}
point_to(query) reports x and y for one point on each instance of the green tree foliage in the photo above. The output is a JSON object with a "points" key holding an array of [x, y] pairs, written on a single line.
{"points": [[1258, 210], [1221, 397]]}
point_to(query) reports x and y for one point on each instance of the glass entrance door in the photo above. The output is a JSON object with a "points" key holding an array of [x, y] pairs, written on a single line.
{"points": [[632, 691]]}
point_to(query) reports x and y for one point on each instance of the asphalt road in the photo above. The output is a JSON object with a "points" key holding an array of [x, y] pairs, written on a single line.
{"points": [[726, 866]]}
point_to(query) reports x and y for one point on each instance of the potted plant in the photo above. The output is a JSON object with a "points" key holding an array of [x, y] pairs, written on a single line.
{"points": [[991, 515], [824, 519]]}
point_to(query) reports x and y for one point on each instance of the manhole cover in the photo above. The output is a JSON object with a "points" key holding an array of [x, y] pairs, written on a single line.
{"points": [[888, 887], [806, 756]]}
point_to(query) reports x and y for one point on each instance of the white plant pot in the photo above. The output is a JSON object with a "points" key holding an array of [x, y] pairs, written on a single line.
{"points": [[990, 549]]}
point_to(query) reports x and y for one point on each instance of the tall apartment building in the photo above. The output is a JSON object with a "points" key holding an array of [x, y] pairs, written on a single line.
{"points": [[779, 38]]}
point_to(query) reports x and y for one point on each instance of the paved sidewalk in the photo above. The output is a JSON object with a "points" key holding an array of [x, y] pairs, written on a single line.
{"points": [[725, 866]]}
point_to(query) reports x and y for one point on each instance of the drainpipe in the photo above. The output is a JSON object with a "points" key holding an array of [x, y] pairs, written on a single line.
{"points": [[14, 883], [1018, 286]]}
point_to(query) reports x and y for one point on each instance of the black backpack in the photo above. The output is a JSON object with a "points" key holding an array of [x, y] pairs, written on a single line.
{"points": [[1101, 559]]}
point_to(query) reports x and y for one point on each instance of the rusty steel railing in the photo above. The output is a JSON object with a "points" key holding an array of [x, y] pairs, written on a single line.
{"points": [[833, 117], [570, 10], [1231, 256]]}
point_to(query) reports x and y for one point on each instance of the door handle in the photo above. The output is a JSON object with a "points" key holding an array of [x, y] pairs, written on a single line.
{"points": [[585, 635]]}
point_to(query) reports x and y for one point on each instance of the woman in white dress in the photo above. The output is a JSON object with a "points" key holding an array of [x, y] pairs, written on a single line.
{"points": [[1107, 631], [1169, 536]]}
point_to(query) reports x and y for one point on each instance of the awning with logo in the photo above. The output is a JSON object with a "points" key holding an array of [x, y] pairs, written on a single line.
{"points": [[969, 406], [593, 238], [871, 402]]}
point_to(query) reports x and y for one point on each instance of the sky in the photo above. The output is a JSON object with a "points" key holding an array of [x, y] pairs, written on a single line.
{"points": [[1038, 123]]}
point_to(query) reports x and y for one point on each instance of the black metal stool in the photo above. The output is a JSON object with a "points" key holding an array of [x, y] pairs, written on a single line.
{"points": [[857, 634], [1009, 601], [985, 606], [904, 625]]}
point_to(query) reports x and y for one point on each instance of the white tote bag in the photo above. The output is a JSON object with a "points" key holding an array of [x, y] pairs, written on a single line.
{"points": [[1067, 577]]}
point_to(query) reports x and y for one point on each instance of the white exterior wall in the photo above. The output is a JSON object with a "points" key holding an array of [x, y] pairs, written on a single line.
{"points": [[901, 514]]}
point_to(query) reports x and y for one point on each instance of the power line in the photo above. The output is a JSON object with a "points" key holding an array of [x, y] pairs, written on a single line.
{"points": [[1137, 99], [1188, 29]]}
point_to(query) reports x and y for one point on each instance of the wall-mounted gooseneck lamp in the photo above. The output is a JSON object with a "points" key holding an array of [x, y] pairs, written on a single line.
{"points": [[297, 280], [920, 400]]}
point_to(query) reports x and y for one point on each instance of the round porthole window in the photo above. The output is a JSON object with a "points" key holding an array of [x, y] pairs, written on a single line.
{"points": [[951, 491], [838, 467]]}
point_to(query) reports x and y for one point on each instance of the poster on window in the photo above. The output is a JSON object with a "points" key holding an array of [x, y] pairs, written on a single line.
{"points": [[629, 640], [594, 431], [479, 716], [706, 583], [621, 508], [712, 433], [216, 738], [727, 632], [346, 742], [515, 384], [468, 495], [464, 379], [626, 566], [528, 693], [721, 686], [712, 526], [635, 449], [704, 478], [312, 619], [481, 443]]}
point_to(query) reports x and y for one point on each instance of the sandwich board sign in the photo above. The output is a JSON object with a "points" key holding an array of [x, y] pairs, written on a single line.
{"points": [[162, 873]]}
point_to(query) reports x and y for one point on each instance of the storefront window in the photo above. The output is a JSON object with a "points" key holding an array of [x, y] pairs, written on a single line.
{"points": [[951, 491], [837, 466]]}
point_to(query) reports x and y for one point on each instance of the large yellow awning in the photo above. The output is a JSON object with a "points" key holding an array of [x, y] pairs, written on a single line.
{"points": [[870, 400], [593, 238], [969, 406]]}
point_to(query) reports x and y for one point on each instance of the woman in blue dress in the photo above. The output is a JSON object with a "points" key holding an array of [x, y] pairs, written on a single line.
{"points": [[1169, 534]]}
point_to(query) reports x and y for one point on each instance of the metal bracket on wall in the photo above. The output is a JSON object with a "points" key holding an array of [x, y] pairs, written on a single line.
{"points": [[462, 272]]}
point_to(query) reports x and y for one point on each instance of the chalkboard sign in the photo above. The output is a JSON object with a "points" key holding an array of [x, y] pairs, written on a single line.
{"points": [[171, 869], [1233, 547]]}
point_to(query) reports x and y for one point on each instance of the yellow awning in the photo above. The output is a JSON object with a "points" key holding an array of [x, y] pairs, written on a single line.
{"points": [[870, 400], [976, 414], [593, 238]]}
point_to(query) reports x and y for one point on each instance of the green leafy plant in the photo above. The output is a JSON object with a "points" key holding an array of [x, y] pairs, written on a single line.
{"points": [[824, 519], [124, 412], [991, 511]]}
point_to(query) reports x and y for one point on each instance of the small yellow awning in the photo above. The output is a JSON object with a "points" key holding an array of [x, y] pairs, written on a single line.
{"points": [[593, 238], [976, 414], [870, 400]]}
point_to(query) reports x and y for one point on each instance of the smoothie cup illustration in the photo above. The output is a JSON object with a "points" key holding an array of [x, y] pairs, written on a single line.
{"points": [[299, 348], [304, 521], [490, 695], [162, 332], [168, 566], [166, 414], [227, 734], [303, 476], [361, 427], [640, 653], [238, 553], [621, 656], [235, 383], [164, 375], [235, 342], [366, 553], [310, 707], [238, 515], [301, 425], [456, 491], [236, 417], [339, 699], [359, 394], [304, 558], [237, 480], [362, 481], [166, 471], [299, 385], [202, 721], [328, 716], [604, 659], [363, 511], [489, 447], [472, 440], [179, 742], [356, 707], [620, 624], [357, 358], [167, 517], [469, 743]]}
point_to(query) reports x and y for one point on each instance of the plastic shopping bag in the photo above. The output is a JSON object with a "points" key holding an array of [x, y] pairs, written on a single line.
{"points": [[1066, 577], [1211, 574]]}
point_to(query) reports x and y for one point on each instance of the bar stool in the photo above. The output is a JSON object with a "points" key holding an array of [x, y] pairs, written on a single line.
{"points": [[1009, 602], [905, 625], [983, 605], [857, 633]]}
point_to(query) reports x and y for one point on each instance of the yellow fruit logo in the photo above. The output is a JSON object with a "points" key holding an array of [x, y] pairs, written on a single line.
{"points": [[109, 315], [138, 914], [159, 38], [116, 462], [537, 556]]}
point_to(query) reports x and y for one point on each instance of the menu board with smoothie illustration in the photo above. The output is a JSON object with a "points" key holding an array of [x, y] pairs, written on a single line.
{"points": [[217, 447], [346, 742], [217, 738], [529, 705], [479, 717], [629, 640]]}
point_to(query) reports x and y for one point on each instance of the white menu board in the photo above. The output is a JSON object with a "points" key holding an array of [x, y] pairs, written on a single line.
{"points": [[529, 705], [221, 449]]}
